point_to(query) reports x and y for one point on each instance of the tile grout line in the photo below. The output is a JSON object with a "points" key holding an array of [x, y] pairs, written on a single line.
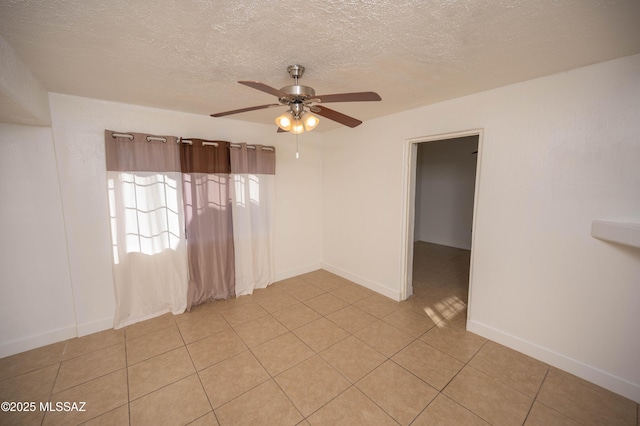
{"points": [[535, 398], [197, 374], [126, 362]]}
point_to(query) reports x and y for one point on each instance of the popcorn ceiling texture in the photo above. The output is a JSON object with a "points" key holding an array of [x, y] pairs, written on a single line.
{"points": [[188, 54]]}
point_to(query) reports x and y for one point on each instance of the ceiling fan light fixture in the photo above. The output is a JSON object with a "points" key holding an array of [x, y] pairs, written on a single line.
{"points": [[285, 121], [310, 121], [297, 127]]}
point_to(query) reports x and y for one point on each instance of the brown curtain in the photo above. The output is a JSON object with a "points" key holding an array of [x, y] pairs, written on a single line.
{"points": [[205, 169]]}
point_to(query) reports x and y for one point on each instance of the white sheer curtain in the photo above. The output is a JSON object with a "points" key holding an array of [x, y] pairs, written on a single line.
{"points": [[253, 200], [147, 227]]}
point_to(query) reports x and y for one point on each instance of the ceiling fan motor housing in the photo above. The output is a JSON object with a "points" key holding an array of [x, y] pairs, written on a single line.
{"points": [[297, 94]]}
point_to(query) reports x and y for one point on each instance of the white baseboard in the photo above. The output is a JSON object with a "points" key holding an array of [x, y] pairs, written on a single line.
{"points": [[371, 285], [39, 340], [95, 326], [587, 372], [290, 273]]}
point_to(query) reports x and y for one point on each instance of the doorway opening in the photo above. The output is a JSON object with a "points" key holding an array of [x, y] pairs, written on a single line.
{"points": [[441, 199]]}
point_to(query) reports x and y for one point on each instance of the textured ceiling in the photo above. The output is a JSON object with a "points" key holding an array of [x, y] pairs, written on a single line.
{"points": [[187, 55]]}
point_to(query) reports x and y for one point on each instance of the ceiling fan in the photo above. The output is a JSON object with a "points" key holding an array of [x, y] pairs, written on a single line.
{"points": [[301, 101]]}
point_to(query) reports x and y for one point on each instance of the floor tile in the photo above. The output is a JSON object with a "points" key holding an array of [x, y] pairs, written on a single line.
{"points": [[260, 330], [329, 283], [351, 319], [311, 384], [153, 344], [282, 353], [90, 366], [303, 291], [296, 316], [541, 415], [458, 343], [350, 380], [457, 319], [221, 305], [216, 348], [431, 365], [263, 405], [289, 283], [384, 338], [231, 378], [277, 302], [34, 359], [377, 305], [445, 412], [420, 304], [399, 393], [33, 386], [259, 294], [325, 304], [178, 403], [92, 342], [20, 418], [439, 309], [351, 407], [154, 373], [351, 293], [101, 396], [317, 276], [243, 313], [409, 322], [353, 358], [585, 404], [514, 369], [196, 326], [144, 328], [488, 398], [208, 419], [320, 334], [117, 416]]}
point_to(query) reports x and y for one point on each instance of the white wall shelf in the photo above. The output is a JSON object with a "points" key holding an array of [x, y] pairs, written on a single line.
{"points": [[617, 232]]}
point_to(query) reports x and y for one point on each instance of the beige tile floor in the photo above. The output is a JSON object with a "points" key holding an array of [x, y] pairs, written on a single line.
{"points": [[315, 349]]}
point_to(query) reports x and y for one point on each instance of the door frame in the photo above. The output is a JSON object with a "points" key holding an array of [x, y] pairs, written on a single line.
{"points": [[410, 156]]}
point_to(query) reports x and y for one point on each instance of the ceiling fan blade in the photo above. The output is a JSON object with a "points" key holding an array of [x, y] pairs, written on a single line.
{"points": [[237, 111], [282, 131], [336, 116], [264, 88], [349, 97]]}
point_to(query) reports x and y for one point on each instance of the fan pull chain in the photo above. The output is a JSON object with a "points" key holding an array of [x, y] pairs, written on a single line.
{"points": [[297, 154]]}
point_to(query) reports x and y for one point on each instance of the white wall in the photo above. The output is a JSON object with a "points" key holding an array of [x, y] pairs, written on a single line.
{"points": [[58, 205], [445, 187], [557, 152], [36, 304]]}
